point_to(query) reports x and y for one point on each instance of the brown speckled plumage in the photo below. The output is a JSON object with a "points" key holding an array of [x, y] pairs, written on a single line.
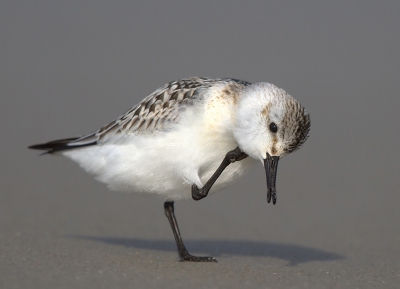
{"points": [[164, 104], [296, 126]]}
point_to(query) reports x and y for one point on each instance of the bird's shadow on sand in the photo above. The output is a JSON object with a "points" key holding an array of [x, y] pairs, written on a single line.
{"points": [[294, 254]]}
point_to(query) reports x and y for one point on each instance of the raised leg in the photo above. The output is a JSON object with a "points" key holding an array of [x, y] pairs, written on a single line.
{"points": [[231, 157], [183, 252]]}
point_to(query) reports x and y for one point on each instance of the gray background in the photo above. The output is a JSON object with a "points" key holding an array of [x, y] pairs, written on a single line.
{"points": [[68, 68]]}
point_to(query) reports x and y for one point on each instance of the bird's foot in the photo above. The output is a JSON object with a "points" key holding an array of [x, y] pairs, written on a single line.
{"points": [[191, 258], [235, 155], [198, 194]]}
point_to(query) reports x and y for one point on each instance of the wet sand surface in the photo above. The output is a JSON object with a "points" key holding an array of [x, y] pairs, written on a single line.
{"points": [[68, 69]]}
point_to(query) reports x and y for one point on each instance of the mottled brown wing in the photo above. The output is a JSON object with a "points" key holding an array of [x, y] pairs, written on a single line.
{"points": [[157, 109]]}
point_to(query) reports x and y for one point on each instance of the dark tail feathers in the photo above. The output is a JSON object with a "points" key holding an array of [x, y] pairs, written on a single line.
{"points": [[59, 145]]}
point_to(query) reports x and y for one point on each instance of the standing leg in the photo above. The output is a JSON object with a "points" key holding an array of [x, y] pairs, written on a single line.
{"points": [[183, 252]]}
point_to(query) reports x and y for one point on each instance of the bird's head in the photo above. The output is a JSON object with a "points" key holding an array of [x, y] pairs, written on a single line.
{"points": [[269, 125]]}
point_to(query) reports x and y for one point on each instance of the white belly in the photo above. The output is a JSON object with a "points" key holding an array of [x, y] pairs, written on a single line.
{"points": [[159, 167]]}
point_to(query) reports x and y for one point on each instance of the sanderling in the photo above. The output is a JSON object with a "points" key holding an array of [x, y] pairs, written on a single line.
{"points": [[173, 141]]}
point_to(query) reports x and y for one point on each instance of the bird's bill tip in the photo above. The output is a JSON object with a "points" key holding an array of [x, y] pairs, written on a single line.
{"points": [[271, 167]]}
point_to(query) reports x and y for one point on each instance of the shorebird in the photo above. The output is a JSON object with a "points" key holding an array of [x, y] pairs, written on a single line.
{"points": [[189, 138]]}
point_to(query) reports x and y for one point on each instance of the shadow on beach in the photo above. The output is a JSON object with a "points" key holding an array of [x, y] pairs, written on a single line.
{"points": [[294, 254]]}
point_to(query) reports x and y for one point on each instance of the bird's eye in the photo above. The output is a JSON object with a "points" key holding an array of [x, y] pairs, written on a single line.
{"points": [[272, 127]]}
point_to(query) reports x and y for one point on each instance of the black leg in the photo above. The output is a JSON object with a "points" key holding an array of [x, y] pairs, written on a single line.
{"points": [[231, 157], [183, 252]]}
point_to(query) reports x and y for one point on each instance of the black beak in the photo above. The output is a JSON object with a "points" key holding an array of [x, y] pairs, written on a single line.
{"points": [[271, 166]]}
